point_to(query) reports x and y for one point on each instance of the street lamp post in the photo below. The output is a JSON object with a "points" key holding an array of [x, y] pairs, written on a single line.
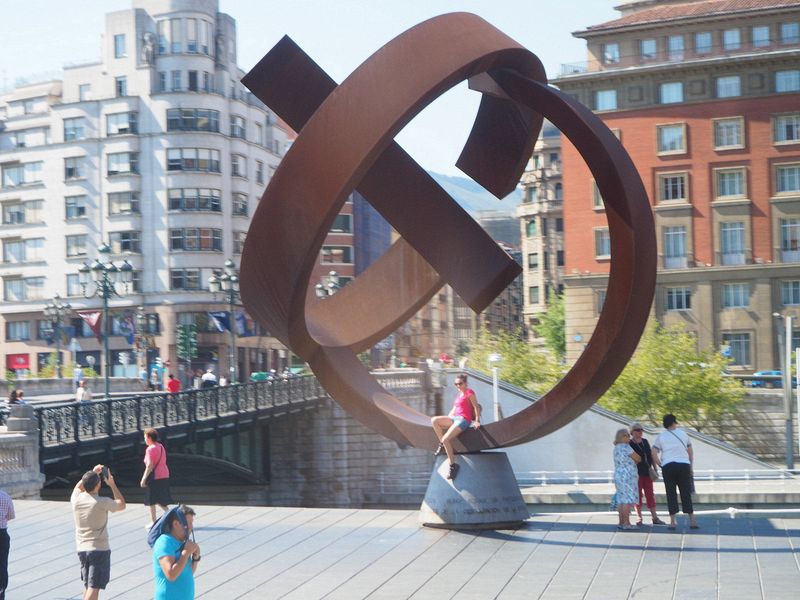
{"points": [[228, 283], [493, 360], [55, 311], [143, 340], [786, 350], [105, 276]]}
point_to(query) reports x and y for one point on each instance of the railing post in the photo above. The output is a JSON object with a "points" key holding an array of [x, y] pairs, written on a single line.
{"points": [[75, 419], [109, 420], [139, 414]]}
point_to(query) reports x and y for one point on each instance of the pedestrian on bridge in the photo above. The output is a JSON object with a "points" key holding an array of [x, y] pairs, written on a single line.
{"points": [[155, 478], [90, 511], [6, 514]]}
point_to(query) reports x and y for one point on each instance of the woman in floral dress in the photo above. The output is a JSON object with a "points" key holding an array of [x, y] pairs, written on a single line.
{"points": [[626, 478]]}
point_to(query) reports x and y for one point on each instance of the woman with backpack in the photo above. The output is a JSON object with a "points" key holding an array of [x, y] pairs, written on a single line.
{"points": [[155, 479]]}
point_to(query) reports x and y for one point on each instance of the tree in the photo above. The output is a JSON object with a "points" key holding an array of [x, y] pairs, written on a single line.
{"points": [[521, 365], [667, 374], [552, 326]]}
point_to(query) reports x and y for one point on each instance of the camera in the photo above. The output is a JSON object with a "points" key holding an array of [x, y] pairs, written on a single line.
{"points": [[104, 473]]}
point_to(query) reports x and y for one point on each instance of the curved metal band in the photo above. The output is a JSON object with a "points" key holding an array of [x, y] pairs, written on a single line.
{"points": [[349, 138]]}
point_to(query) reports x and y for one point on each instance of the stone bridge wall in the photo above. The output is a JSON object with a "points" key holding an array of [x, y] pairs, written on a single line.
{"points": [[326, 458]]}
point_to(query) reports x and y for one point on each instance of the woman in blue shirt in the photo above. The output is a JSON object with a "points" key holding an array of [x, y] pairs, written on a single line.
{"points": [[175, 558]]}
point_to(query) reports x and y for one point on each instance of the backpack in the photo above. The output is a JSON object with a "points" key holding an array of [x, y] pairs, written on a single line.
{"points": [[160, 526]]}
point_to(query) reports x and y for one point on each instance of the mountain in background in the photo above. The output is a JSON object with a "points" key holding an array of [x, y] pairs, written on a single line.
{"points": [[473, 198]]}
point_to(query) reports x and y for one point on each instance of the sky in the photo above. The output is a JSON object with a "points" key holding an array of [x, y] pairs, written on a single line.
{"points": [[40, 36]]}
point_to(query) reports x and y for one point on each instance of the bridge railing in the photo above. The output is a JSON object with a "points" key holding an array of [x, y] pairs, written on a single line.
{"points": [[76, 422]]}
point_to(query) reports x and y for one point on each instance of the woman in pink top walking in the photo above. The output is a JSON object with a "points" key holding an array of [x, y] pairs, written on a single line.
{"points": [[466, 413], [155, 478]]}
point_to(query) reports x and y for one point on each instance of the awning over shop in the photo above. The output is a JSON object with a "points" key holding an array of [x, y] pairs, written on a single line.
{"points": [[17, 361]]}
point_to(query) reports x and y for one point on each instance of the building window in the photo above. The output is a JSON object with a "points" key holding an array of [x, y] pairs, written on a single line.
{"points": [[675, 47], [790, 240], [672, 187], [530, 228], [22, 174], [74, 287], [259, 172], [125, 241], [119, 46], [597, 198], [76, 245], [760, 35], [703, 42], [17, 330], [728, 133], [175, 35], [735, 295], [739, 344], [679, 298], [671, 138], [790, 293], [84, 89], [559, 258], [729, 87], [675, 247], [162, 81], [184, 279], [336, 255], [605, 100], [790, 33], [121, 86], [238, 165], [259, 134], [238, 127], [788, 179], [192, 199], [787, 129], [123, 203], [23, 251], [192, 119], [239, 204], [193, 159], [602, 243], [730, 183], [533, 294], [731, 39], [671, 93], [238, 241], [611, 54], [600, 301], [191, 35], [343, 223], [73, 129], [787, 81], [163, 36], [731, 241], [533, 260], [559, 225], [121, 123], [19, 213], [176, 81], [75, 207], [73, 168], [648, 49], [193, 81], [196, 239], [121, 163]]}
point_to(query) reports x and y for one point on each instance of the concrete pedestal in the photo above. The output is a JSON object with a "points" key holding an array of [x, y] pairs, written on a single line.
{"points": [[484, 494]]}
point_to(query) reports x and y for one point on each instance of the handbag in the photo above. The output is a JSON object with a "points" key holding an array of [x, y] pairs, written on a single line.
{"points": [[653, 473], [152, 476]]}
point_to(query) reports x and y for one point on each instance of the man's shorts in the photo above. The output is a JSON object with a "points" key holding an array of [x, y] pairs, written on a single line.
{"points": [[95, 568], [462, 422]]}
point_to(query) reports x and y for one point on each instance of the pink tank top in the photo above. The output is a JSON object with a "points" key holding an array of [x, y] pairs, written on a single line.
{"points": [[463, 406], [158, 459]]}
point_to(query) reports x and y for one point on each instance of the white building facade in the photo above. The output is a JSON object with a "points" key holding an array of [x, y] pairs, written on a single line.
{"points": [[156, 150]]}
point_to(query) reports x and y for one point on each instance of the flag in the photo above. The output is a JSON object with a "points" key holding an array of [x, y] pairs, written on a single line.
{"points": [[94, 319], [242, 330], [221, 319]]}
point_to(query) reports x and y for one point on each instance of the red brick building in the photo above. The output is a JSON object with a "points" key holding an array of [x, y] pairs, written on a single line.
{"points": [[705, 96]]}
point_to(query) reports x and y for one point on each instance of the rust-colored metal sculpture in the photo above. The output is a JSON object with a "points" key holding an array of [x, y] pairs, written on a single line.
{"points": [[346, 143]]}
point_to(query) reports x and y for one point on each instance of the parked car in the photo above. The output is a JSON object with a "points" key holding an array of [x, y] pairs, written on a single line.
{"points": [[775, 379]]}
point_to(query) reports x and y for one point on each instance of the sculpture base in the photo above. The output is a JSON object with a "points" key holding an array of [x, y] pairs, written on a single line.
{"points": [[484, 494]]}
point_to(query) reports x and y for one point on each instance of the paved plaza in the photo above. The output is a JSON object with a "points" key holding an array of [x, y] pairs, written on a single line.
{"points": [[305, 553]]}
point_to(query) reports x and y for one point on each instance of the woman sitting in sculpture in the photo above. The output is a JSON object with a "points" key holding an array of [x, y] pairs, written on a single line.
{"points": [[466, 413]]}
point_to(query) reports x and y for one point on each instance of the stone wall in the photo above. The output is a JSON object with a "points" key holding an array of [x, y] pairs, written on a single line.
{"points": [[19, 454], [326, 458], [46, 387]]}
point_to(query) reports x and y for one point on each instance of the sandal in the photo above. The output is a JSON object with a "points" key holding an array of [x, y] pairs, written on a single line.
{"points": [[658, 521], [453, 471], [439, 449]]}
